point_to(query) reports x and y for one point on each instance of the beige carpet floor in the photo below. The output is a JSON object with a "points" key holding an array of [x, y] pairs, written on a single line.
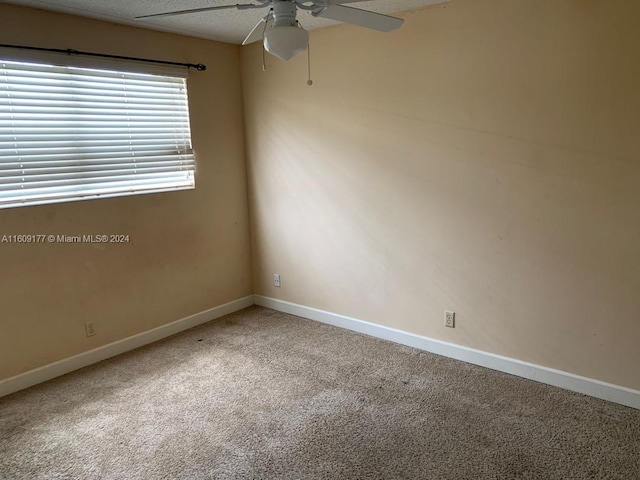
{"points": [[264, 395]]}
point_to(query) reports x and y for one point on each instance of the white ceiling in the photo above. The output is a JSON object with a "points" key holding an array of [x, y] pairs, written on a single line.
{"points": [[230, 26]]}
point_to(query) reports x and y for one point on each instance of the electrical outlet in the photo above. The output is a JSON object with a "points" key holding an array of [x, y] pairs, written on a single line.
{"points": [[450, 319], [276, 279], [90, 329]]}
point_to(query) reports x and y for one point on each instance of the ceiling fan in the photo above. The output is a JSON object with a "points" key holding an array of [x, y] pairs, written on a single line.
{"points": [[279, 29]]}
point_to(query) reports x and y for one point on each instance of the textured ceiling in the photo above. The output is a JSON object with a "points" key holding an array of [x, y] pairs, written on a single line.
{"points": [[230, 26]]}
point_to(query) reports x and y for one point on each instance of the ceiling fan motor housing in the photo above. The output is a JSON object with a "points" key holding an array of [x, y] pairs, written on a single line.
{"points": [[284, 13]]}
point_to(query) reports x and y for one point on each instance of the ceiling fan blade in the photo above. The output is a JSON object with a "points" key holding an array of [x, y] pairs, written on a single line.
{"points": [[340, 2], [258, 31], [193, 10], [363, 18]]}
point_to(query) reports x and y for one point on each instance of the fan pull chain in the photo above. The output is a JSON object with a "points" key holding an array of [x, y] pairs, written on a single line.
{"points": [[309, 81]]}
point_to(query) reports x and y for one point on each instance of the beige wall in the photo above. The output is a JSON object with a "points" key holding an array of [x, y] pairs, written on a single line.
{"points": [[189, 250], [485, 158]]}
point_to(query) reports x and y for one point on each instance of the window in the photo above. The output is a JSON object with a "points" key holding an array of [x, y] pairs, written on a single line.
{"points": [[70, 133]]}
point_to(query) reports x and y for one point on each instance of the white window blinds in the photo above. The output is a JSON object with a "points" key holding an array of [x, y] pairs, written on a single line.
{"points": [[69, 133]]}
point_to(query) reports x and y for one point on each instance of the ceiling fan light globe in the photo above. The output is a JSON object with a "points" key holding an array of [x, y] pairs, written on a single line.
{"points": [[286, 41]]}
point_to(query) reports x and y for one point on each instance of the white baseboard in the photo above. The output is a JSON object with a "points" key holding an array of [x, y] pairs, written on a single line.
{"points": [[550, 376], [53, 370]]}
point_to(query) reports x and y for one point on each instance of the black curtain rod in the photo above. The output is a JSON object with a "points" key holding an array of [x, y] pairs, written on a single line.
{"points": [[69, 51]]}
